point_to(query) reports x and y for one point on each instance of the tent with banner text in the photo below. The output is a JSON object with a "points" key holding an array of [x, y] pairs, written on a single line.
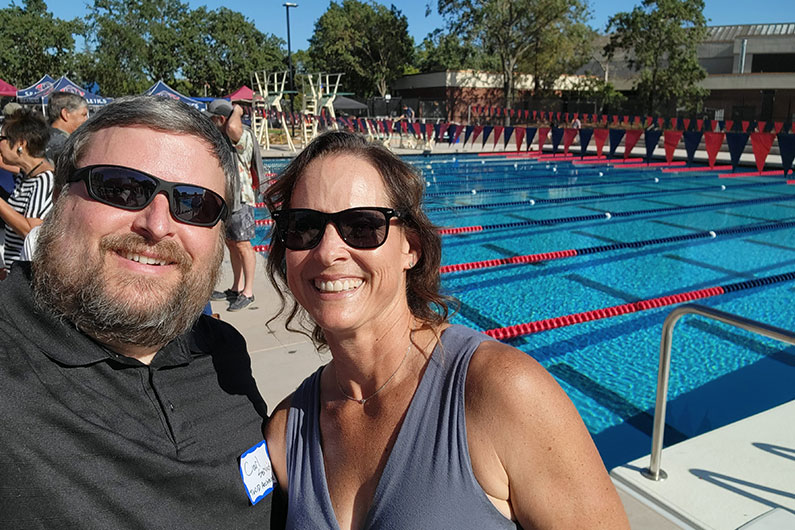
{"points": [[162, 89], [42, 90]]}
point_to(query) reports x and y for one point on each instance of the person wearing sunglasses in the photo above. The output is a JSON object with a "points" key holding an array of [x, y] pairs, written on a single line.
{"points": [[122, 406], [23, 139], [414, 423]]}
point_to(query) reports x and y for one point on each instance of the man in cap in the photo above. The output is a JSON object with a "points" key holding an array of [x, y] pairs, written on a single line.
{"points": [[123, 407], [240, 229], [66, 112]]}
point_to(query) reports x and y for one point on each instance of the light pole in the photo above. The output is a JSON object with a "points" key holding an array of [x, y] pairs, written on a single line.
{"points": [[287, 6]]}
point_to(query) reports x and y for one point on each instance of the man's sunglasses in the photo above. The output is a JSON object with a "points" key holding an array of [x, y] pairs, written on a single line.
{"points": [[362, 228], [130, 189]]}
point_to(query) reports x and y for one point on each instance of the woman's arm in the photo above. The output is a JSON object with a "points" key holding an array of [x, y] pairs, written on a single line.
{"points": [[275, 436], [530, 449], [18, 222]]}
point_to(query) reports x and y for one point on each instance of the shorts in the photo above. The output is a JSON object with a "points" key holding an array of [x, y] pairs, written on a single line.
{"points": [[240, 224]]}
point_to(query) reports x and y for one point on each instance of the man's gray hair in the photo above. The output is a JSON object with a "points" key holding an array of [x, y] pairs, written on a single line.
{"points": [[63, 100], [154, 112]]}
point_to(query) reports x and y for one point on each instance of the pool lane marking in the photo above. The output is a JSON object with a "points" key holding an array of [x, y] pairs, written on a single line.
{"points": [[536, 326], [559, 200], [560, 254], [605, 215]]}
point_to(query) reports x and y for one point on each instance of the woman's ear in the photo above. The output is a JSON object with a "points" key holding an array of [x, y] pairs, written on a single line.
{"points": [[411, 249]]}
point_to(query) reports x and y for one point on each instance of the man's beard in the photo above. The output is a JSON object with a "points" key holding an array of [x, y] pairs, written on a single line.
{"points": [[74, 285]]}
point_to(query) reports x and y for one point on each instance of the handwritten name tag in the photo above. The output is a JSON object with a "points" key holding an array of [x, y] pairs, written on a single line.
{"points": [[256, 472]]}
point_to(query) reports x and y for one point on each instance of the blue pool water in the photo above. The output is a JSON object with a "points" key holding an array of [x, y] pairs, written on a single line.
{"points": [[609, 367]]}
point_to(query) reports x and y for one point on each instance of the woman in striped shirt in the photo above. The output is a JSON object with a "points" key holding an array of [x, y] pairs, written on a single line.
{"points": [[22, 142]]}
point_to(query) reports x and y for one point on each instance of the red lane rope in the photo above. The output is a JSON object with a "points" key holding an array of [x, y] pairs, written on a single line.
{"points": [[461, 229], [502, 153], [261, 248], [653, 164], [263, 222], [598, 314], [530, 258], [772, 173], [791, 182], [701, 168]]}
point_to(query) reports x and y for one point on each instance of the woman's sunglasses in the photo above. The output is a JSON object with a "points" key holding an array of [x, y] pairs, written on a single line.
{"points": [[362, 228], [130, 189]]}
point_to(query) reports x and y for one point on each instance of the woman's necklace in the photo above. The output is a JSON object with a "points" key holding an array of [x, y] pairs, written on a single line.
{"points": [[368, 398], [30, 173]]}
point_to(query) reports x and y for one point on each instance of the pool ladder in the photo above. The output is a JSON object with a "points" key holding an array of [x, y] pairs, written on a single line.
{"points": [[654, 471]]}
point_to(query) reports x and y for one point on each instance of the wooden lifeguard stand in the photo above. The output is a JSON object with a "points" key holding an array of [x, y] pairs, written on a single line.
{"points": [[269, 89], [319, 90]]}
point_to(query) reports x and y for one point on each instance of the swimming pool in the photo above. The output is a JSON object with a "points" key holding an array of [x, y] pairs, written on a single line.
{"points": [[655, 242]]}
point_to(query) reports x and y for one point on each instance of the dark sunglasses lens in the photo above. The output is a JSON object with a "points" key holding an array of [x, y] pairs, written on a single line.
{"points": [[363, 228], [120, 187], [196, 205], [302, 229]]}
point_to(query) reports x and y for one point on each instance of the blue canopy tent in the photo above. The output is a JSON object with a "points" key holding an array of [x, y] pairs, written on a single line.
{"points": [[37, 89], [162, 89], [64, 84]]}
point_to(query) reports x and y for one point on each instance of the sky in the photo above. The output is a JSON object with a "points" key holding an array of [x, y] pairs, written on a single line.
{"points": [[269, 15]]}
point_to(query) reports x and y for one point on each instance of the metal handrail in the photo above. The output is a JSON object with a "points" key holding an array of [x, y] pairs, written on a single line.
{"points": [[654, 471]]}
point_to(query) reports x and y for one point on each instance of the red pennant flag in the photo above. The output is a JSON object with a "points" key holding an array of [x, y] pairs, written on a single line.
{"points": [[497, 132], [542, 137], [535, 114], [519, 135], [760, 126], [636, 120], [745, 125], [526, 114], [476, 132], [761, 142], [568, 137], [604, 118], [660, 122], [404, 127], [713, 141], [576, 115], [671, 139], [417, 131], [615, 119], [558, 116], [442, 129], [429, 131], [626, 118], [777, 126], [630, 140], [388, 126], [649, 121], [566, 116], [600, 137], [729, 125], [700, 125], [686, 121]]}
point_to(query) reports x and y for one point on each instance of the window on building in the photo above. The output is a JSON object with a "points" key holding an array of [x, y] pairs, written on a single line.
{"points": [[773, 62]]}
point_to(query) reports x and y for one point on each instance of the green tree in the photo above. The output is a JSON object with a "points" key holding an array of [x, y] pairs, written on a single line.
{"points": [[34, 43], [539, 37], [602, 94], [224, 49], [441, 51], [661, 38], [367, 42]]}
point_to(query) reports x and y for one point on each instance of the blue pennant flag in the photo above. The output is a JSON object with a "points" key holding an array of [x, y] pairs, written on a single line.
{"points": [[468, 133], [530, 135], [506, 135], [737, 142], [486, 133], [451, 130], [786, 145], [557, 136], [615, 138], [651, 138], [692, 139], [585, 139]]}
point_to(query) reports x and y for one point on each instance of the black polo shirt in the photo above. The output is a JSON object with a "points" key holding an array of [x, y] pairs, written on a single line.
{"points": [[93, 439]]}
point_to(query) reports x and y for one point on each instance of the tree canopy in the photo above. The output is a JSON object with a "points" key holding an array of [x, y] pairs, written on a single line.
{"points": [[366, 41], [661, 38], [544, 38]]}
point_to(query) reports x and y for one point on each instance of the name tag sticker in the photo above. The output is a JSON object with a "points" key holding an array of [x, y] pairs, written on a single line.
{"points": [[256, 472]]}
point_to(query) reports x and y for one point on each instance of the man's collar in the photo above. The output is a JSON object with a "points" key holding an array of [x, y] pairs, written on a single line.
{"points": [[60, 340]]}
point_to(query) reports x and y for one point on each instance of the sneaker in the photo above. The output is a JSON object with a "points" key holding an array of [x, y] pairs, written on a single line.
{"points": [[228, 295], [241, 302]]}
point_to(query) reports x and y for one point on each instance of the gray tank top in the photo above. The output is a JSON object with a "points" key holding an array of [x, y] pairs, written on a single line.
{"points": [[428, 480]]}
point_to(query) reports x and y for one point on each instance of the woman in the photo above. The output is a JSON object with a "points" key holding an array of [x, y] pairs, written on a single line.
{"points": [[23, 140], [415, 423]]}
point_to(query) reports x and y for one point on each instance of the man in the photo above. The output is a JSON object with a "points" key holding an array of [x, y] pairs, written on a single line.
{"points": [[65, 112], [240, 228], [122, 407]]}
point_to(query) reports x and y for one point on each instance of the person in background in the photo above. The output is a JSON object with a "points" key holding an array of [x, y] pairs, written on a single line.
{"points": [[415, 423], [23, 139], [123, 407], [65, 112], [576, 123], [240, 229]]}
